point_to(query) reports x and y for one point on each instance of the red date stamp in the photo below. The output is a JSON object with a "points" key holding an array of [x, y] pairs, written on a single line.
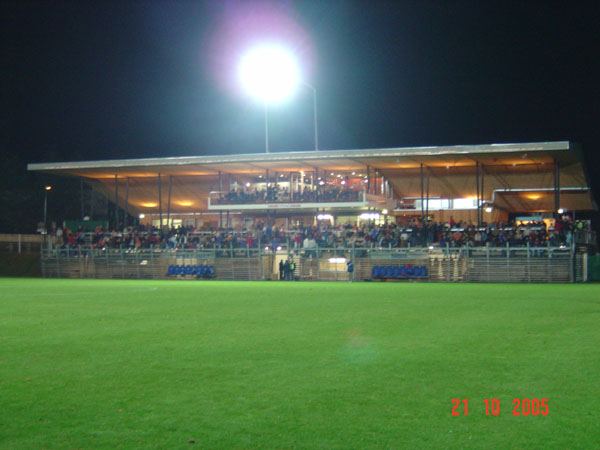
{"points": [[492, 407]]}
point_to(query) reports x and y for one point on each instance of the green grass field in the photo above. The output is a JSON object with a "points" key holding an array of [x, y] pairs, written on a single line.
{"points": [[176, 365]]}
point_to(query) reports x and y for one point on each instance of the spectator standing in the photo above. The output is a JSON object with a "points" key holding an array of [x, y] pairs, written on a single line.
{"points": [[350, 268], [292, 269]]}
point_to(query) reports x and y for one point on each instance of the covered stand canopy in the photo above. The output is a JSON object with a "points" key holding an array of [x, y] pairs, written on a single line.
{"points": [[526, 177]]}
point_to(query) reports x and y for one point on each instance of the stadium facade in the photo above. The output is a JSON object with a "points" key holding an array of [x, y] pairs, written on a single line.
{"points": [[391, 211]]}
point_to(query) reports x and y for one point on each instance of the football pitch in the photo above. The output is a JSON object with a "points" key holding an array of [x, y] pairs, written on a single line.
{"points": [[108, 364]]}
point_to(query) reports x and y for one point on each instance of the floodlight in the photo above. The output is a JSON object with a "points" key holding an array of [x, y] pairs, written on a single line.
{"points": [[561, 210], [48, 188], [269, 72]]}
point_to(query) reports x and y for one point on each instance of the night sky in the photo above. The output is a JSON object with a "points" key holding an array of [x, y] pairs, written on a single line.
{"points": [[97, 80]]}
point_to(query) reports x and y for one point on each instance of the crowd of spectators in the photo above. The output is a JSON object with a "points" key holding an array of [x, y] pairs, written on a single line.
{"points": [[277, 194], [309, 238]]}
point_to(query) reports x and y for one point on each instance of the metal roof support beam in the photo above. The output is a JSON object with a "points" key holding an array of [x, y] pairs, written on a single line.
{"points": [[422, 196], [426, 223], [376, 182], [169, 201], [477, 193], [481, 193], [266, 185], [126, 218], [556, 185], [160, 203], [116, 202], [81, 197], [92, 194]]}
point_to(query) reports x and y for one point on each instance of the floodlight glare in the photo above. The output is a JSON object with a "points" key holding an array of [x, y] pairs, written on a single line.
{"points": [[269, 73]]}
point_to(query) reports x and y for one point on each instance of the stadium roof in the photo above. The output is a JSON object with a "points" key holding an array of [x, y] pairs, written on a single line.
{"points": [[385, 158], [518, 177]]}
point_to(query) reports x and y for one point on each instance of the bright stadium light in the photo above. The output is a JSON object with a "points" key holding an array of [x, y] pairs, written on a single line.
{"points": [[269, 73]]}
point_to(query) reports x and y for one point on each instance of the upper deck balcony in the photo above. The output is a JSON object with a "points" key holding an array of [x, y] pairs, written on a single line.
{"points": [[271, 198]]}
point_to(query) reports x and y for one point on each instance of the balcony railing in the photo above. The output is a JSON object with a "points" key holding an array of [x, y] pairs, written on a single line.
{"points": [[280, 197]]}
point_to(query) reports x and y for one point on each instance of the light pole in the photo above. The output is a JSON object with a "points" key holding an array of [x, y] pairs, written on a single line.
{"points": [[46, 190], [315, 123], [266, 127], [315, 126], [270, 74]]}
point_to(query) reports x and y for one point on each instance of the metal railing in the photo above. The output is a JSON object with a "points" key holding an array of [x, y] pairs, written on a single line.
{"points": [[475, 264], [274, 197]]}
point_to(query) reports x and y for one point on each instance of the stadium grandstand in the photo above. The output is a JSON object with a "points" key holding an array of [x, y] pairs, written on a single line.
{"points": [[326, 208]]}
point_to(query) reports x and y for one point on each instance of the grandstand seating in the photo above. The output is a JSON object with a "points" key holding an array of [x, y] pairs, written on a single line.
{"points": [[324, 235], [399, 272], [199, 271]]}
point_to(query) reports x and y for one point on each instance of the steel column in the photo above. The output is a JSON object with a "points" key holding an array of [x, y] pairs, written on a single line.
{"points": [[422, 195], [477, 192], [426, 224], [126, 218], [160, 221], [169, 201], [116, 202], [481, 191], [81, 198], [556, 186]]}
